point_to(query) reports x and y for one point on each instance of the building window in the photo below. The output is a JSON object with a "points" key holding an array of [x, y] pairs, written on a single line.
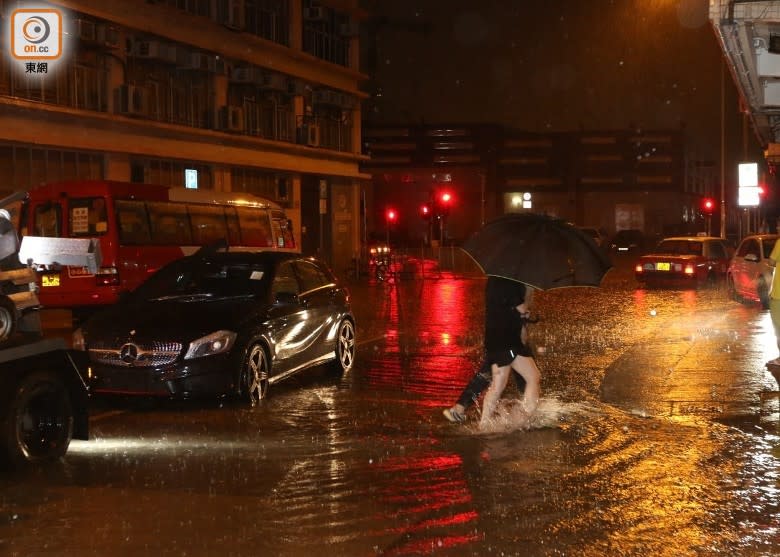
{"points": [[170, 172], [81, 84], [262, 183], [268, 114], [177, 97], [22, 167], [269, 19], [323, 34]]}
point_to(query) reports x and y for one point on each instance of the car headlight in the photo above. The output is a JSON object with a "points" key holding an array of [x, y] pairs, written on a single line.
{"points": [[214, 343], [78, 342]]}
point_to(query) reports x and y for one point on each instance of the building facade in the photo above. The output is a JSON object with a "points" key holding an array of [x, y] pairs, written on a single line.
{"points": [[257, 96], [614, 180]]}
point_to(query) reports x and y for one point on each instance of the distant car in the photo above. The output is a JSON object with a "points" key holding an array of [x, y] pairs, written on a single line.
{"points": [[685, 261], [220, 323], [749, 274], [629, 240]]}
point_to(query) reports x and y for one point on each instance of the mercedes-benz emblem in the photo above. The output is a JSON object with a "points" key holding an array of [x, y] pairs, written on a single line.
{"points": [[128, 353]]}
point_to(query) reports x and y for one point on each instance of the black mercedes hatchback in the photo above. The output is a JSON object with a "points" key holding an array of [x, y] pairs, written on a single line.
{"points": [[220, 323]]}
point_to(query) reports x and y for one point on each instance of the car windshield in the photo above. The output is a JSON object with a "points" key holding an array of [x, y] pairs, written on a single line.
{"points": [[679, 247], [204, 278]]}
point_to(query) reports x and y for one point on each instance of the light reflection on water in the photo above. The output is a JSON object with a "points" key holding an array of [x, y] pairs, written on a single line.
{"points": [[366, 465]]}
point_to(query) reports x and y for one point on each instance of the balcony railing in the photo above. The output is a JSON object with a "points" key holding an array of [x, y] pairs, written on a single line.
{"points": [[77, 86]]}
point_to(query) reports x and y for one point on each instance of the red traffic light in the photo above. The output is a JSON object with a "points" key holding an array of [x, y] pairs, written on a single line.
{"points": [[391, 215], [425, 211], [708, 205], [443, 201]]}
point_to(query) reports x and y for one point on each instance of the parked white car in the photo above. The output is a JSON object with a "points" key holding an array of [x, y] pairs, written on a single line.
{"points": [[750, 275]]}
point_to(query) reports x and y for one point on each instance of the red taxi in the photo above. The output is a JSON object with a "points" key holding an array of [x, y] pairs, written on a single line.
{"points": [[686, 261]]}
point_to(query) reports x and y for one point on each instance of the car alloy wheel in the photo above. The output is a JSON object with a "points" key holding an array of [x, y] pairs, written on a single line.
{"points": [[254, 374], [345, 346]]}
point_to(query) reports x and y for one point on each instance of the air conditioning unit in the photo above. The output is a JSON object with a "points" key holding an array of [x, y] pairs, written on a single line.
{"points": [[181, 55], [156, 50], [231, 118], [348, 101], [326, 96], [131, 100], [274, 81], [108, 35], [217, 65], [295, 87], [316, 13], [231, 14], [86, 30], [249, 74], [313, 135], [198, 61]]}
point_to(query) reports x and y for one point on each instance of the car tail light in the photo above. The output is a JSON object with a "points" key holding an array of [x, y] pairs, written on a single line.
{"points": [[638, 268], [107, 276], [689, 269]]}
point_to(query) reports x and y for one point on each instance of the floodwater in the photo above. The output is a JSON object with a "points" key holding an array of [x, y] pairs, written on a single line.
{"points": [[657, 434]]}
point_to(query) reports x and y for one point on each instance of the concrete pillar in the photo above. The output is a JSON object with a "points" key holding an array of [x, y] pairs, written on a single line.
{"points": [[354, 53], [296, 25], [356, 136], [116, 73], [220, 83], [116, 166]]}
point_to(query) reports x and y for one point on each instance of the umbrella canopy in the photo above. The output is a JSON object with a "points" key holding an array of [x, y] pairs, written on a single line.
{"points": [[537, 250]]}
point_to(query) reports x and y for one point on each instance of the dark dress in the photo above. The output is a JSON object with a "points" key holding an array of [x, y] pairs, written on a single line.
{"points": [[503, 327]]}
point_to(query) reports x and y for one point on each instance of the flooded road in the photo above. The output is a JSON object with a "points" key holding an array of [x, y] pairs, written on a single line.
{"points": [[657, 434]]}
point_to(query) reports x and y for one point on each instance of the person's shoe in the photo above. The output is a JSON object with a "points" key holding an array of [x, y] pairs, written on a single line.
{"points": [[454, 416]]}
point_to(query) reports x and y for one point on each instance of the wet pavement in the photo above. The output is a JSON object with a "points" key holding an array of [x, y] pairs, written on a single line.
{"points": [[657, 434]]}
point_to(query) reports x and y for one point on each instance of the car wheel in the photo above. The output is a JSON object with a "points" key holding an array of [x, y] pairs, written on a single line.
{"points": [[732, 289], [254, 374], [345, 346], [7, 318], [763, 293], [38, 424]]}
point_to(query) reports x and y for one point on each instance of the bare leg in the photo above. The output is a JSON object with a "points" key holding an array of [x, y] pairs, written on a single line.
{"points": [[497, 385], [527, 369]]}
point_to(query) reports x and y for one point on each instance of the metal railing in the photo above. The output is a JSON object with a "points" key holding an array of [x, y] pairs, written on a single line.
{"points": [[421, 263]]}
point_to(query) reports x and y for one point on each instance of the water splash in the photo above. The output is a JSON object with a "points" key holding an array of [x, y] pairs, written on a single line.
{"points": [[510, 415]]}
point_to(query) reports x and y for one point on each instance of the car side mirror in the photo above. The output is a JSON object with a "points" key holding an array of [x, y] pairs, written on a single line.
{"points": [[286, 298], [752, 257]]}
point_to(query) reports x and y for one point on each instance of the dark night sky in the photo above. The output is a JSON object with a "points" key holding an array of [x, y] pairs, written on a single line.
{"points": [[553, 65]]}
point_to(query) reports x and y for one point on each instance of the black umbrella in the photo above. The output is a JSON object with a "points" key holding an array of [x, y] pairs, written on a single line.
{"points": [[540, 251]]}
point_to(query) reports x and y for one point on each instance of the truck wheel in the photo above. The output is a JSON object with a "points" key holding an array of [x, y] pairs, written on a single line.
{"points": [[7, 318], [38, 425]]}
